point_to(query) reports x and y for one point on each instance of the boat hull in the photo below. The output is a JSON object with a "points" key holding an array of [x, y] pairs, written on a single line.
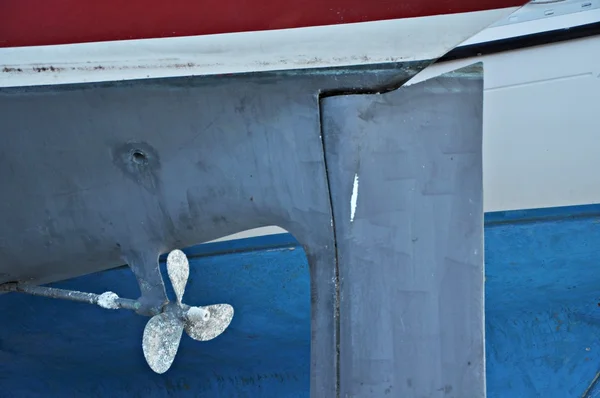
{"points": [[79, 54]]}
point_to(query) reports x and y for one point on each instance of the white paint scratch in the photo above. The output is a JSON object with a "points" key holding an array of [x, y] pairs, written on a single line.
{"points": [[354, 198], [108, 300]]}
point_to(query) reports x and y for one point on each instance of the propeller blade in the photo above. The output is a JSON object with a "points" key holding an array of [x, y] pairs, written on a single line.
{"points": [[178, 269], [220, 318], [162, 335]]}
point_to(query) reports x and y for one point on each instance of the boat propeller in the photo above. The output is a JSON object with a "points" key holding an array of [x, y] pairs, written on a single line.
{"points": [[163, 331]]}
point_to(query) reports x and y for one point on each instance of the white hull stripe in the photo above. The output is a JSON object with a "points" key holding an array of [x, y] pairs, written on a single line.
{"points": [[400, 40]]}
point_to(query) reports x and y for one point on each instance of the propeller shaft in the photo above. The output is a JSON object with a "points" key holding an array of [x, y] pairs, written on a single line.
{"points": [[72, 295]]}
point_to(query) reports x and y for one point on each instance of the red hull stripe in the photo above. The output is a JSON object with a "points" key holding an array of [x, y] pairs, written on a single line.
{"points": [[45, 22]]}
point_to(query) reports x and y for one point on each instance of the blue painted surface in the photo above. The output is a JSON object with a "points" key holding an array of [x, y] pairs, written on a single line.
{"points": [[542, 320], [542, 302]]}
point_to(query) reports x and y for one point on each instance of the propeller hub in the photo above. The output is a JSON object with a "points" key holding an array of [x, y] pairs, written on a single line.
{"points": [[197, 314]]}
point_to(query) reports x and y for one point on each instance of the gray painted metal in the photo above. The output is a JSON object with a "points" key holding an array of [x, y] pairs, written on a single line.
{"points": [[410, 254], [99, 175]]}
